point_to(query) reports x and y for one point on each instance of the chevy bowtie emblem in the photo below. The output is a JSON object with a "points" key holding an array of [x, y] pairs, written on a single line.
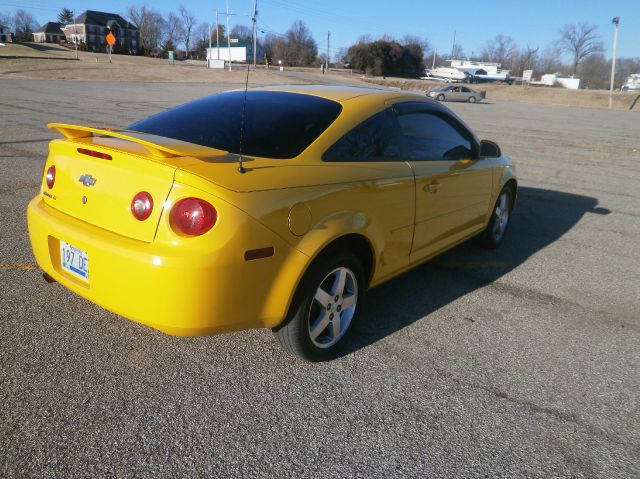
{"points": [[87, 180]]}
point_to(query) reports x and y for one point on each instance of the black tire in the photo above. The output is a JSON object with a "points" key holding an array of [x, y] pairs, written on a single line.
{"points": [[472, 99], [499, 224], [296, 333], [440, 97]]}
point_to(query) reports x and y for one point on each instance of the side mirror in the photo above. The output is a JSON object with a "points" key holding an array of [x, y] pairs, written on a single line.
{"points": [[489, 149]]}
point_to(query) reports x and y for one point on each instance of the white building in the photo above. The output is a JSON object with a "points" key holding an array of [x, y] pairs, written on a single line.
{"points": [[239, 51]]}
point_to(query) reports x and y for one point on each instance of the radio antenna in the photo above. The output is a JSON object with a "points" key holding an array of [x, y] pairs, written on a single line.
{"points": [[241, 168]]}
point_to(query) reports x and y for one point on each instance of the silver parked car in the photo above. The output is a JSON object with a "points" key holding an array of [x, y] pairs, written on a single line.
{"points": [[457, 93]]}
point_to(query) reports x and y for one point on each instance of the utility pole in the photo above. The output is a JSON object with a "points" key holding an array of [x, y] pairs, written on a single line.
{"points": [[328, 40], [209, 52], [217, 35], [616, 22], [228, 35], [433, 63], [255, 31]]}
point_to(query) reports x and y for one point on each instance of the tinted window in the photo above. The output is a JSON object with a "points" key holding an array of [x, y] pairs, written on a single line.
{"points": [[428, 136], [375, 139], [276, 124]]}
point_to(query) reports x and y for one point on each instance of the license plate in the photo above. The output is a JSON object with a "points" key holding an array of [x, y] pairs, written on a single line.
{"points": [[74, 260]]}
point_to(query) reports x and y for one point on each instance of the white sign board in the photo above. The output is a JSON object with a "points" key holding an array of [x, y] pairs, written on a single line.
{"points": [[526, 75], [215, 63]]}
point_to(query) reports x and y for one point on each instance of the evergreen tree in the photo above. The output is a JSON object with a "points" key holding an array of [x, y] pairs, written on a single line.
{"points": [[65, 16]]}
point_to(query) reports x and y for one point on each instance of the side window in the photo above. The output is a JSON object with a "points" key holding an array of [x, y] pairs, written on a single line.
{"points": [[429, 137], [375, 139], [464, 89]]}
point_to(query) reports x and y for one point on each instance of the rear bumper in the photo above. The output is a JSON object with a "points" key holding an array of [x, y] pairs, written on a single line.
{"points": [[185, 289]]}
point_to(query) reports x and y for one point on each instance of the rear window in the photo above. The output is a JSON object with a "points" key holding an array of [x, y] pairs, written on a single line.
{"points": [[276, 124]]}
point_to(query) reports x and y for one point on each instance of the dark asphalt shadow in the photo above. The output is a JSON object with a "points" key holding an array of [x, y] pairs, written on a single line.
{"points": [[540, 218]]}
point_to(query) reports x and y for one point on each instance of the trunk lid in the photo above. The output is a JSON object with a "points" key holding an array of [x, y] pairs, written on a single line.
{"points": [[99, 191]]}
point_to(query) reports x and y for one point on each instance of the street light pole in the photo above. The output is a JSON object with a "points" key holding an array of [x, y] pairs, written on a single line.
{"points": [[616, 22]]}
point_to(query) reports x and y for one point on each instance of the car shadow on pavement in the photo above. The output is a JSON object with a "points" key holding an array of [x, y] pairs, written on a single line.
{"points": [[540, 218]]}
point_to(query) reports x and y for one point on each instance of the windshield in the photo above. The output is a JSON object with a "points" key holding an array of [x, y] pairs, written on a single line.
{"points": [[276, 124]]}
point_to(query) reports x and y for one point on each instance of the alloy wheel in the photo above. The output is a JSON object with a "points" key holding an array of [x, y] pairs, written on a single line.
{"points": [[333, 307]]}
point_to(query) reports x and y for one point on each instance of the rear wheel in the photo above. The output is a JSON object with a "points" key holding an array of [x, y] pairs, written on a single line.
{"points": [[440, 97], [499, 221], [472, 99], [325, 307]]}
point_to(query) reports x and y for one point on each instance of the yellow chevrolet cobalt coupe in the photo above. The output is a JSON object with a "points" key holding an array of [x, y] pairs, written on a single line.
{"points": [[275, 210]]}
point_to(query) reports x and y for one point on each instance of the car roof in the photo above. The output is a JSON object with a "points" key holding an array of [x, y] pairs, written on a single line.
{"points": [[337, 93]]}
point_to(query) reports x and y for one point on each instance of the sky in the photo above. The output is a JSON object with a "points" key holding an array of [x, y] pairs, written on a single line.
{"points": [[529, 23]]}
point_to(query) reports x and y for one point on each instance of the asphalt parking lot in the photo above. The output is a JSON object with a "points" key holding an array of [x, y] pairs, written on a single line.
{"points": [[519, 362]]}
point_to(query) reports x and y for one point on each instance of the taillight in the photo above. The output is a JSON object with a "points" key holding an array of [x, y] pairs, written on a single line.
{"points": [[142, 206], [50, 177], [192, 217]]}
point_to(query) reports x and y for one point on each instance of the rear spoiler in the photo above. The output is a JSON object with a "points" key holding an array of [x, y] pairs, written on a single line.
{"points": [[157, 146]]}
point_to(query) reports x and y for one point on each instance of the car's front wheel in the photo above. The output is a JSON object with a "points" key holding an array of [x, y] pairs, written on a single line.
{"points": [[472, 99], [325, 307], [440, 97]]}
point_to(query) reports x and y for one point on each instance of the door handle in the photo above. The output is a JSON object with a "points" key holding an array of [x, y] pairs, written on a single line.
{"points": [[431, 187]]}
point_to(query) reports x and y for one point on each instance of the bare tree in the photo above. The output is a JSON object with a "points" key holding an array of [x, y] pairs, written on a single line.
{"points": [[457, 51], [24, 25], [526, 60], [151, 26], [201, 37], [302, 47], [6, 19], [269, 42], [550, 59], [502, 49], [188, 23], [280, 51], [342, 56], [387, 37], [593, 72], [173, 31], [241, 32], [415, 40], [580, 41]]}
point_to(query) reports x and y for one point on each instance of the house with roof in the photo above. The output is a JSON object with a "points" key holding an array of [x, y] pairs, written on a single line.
{"points": [[50, 32], [5, 34], [91, 29]]}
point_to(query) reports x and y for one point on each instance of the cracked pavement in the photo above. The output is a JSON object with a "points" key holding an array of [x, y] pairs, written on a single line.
{"points": [[518, 362]]}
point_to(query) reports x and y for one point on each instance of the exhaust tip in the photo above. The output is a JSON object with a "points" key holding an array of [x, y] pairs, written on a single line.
{"points": [[48, 278]]}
